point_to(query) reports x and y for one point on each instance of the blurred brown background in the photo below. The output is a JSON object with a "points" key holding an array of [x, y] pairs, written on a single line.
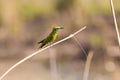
{"points": [[25, 22]]}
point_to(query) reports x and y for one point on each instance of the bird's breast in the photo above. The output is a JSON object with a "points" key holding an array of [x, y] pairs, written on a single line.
{"points": [[54, 37]]}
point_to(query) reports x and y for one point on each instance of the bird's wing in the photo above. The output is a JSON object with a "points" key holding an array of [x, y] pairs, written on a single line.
{"points": [[48, 39], [45, 41]]}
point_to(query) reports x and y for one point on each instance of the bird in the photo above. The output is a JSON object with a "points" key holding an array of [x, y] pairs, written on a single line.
{"points": [[51, 37]]}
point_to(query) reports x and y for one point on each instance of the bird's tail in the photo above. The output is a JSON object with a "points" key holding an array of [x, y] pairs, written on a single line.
{"points": [[40, 41], [41, 44]]}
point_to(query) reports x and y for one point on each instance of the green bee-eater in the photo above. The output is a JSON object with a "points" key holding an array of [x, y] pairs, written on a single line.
{"points": [[51, 37]]}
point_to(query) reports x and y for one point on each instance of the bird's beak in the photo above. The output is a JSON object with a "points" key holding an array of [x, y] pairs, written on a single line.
{"points": [[61, 28]]}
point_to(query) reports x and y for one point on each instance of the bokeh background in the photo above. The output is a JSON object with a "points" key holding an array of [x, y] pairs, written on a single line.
{"points": [[25, 22]]}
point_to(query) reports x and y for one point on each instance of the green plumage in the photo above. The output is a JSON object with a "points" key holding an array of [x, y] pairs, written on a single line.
{"points": [[51, 37]]}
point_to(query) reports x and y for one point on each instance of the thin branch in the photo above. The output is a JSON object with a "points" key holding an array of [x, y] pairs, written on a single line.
{"points": [[43, 49], [87, 66], [88, 61], [80, 46], [115, 20]]}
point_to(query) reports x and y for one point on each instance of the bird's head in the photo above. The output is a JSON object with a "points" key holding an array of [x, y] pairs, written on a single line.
{"points": [[56, 28]]}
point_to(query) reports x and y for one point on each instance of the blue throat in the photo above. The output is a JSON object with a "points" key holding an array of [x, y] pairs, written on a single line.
{"points": [[56, 30]]}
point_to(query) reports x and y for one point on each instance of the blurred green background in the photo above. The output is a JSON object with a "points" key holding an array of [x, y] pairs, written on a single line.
{"points": [[25, 22]]}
